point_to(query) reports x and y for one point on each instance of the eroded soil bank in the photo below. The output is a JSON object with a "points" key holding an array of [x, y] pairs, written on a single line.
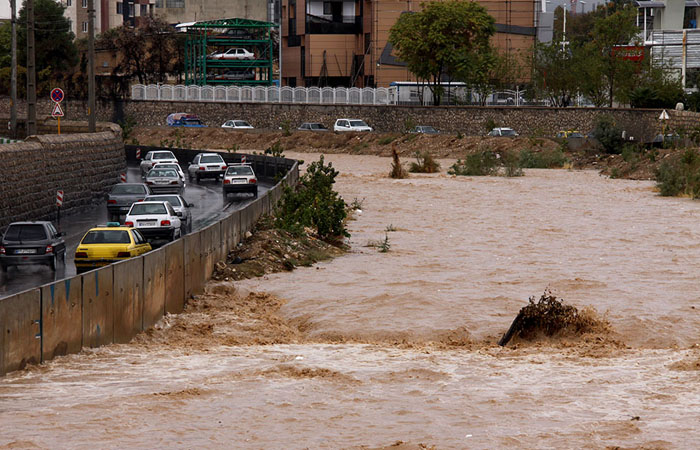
{"points": [[372, 348]]}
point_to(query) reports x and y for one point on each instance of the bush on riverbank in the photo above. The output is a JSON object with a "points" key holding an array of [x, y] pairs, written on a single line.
{"points": [[680, 175], [313, 204]]}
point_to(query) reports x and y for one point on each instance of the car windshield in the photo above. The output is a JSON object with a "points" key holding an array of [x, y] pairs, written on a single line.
{"points": [[317, 126], [163, 155], [128, 189], [192, 122], [507, 132], [167, 166], [174, 200], [106, 237], [429, 130], [241, 123], [25, 233], [142, 209], [239, 170], [211, 159], [357, 123], [166, 173]]}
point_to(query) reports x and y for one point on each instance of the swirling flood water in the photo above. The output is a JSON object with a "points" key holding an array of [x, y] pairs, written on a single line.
{"points": [[397, 349]]}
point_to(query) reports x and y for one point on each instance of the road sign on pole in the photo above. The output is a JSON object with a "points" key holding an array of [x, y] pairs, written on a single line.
{"points": [[57, 111], [664, 115], [242, 159], [122, 178], [138, 153], [59, 198], [57, 95]]}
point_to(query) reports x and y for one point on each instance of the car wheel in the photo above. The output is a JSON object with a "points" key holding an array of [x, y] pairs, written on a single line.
{"points": [[3, 268], [189, 175], [63, 258], [255, 193], [53, 263], [198, 178]]}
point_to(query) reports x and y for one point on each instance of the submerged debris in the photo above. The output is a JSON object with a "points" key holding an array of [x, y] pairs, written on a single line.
{"points": [[549, 316]]}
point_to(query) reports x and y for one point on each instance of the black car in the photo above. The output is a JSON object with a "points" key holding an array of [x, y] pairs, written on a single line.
{"points": [[312, 126], [236, 33], [32, 243]]}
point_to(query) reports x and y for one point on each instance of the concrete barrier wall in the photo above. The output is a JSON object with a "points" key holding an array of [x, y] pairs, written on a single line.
{"points": [[115, 303]]}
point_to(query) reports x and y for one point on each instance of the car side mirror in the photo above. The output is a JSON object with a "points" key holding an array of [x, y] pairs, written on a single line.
{"points": [[190, 205], [61, 233], [178, 213]]}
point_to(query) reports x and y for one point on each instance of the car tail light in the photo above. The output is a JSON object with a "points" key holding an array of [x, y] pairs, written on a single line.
{"points": [[226, 181], [202, 168], [173, 182], [252, 181], [129, 223], [80, 254], [49, 249], [111, 202], [149, 182], [164, 223], [123, 254], [2, 250], [223, 167], [139, 200]]}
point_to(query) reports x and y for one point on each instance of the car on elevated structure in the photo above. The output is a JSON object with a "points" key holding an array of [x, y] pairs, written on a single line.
{"points": [[107, 244], [184, 120], [232, 53], [312, 126], [237, 125], [351, 125]]}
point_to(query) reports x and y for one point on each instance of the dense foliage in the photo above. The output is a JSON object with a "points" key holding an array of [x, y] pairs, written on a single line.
{"points": [[313, 204], [680, 176]]}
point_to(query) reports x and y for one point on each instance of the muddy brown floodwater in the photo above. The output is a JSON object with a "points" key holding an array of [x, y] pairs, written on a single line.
{"points": [[374, 348]]}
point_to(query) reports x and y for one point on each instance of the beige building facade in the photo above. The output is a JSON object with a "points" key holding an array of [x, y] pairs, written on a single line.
{"points": [[345, 42]]}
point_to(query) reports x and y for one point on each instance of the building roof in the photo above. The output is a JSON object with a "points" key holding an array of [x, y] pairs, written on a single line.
{"points": [[229, 23]]}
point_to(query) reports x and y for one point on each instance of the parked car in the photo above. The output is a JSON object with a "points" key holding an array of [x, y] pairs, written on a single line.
{"points": [[122, 196], [173, 166], [32, 243], [184, 120], [506, 132], [668, 140], [206, 165], [566, 134], [232, 53], [236, 33], [312, 126], [180, 206], [104, 245], [240, 178], [164, 181], [237, 125], [351, 125], [155, 157], [424, 129], [236, 75], [155, 220]]}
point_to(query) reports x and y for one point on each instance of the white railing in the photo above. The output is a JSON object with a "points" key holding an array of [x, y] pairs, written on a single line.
{"points": [[263, 94]]}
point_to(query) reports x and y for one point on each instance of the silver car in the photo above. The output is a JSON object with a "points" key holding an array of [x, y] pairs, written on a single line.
{"points": [[180, 205], [164, 181], [121, 197]]}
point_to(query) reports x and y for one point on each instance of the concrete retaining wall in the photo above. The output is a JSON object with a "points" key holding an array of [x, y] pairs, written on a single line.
{"points": [[114, 303], [83, 166]]}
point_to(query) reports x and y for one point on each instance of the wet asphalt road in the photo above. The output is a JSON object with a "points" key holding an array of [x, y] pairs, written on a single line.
{"points": [[209, 206]]}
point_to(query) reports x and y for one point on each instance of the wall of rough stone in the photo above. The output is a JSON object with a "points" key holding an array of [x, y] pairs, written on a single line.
{"points": [[470, 120], [84, 166]]}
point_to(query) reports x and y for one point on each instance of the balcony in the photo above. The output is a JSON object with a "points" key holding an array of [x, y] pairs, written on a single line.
{"points": [[333, 24]]}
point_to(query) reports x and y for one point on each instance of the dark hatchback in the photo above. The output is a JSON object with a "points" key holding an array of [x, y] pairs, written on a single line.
{"points": [[27, 243]]}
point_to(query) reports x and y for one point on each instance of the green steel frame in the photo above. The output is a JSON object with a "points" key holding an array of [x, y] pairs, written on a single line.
{"points": [[203, 36]]}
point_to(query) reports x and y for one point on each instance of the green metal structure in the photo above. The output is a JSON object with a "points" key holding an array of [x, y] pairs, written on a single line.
{"points": [[204, 38]]}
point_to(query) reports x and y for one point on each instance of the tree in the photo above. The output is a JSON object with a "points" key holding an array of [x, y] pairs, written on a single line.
{"points": [[53, 38], [447, 39], [554, 73]]}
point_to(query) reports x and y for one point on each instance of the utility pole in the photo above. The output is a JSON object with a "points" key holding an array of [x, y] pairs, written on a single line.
{"points": [[91, 65], [13, 75], [31, 71]]}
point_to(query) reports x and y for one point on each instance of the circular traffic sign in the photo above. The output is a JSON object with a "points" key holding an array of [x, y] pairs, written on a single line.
{"points": [[57, 95]]}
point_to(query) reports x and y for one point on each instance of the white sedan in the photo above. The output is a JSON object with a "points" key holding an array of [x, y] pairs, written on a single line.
{"points": [[174, 166], [237, 125], [233, 53], [155, 157], [155, 220]]}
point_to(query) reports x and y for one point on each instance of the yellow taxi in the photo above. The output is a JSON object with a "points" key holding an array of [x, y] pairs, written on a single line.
{"points": [[101, 246], [566, 134]]}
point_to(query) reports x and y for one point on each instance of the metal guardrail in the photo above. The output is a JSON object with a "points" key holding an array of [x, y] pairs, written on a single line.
{"points": [[115, 303]]}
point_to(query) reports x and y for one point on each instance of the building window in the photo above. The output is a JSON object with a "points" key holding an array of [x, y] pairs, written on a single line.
{"points": [[144, 10], [159, 3], [84, 3], [69, 2], [327, 9], [85, 27], [120, 9], [174, 3]]}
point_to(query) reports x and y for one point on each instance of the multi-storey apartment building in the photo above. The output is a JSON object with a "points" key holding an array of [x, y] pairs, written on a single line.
{"points": [[108, 14], [345, 42]]}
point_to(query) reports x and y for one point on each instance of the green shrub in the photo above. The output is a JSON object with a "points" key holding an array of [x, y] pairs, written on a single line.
{"points": [[424, 164], [490, 124], [608, 134], [477, 164], [286, 128], [127, 126], [511, 164], [275, 150], [313, 204], [408, 125], [546, 159], [680, 176], [386, 140]]}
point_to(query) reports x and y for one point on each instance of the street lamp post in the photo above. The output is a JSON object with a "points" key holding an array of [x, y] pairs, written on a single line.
{"points": [[583, 6]]}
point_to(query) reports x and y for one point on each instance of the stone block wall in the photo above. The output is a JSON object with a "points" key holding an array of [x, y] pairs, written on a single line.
{"points": [[84, 166], [643, 124]]}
